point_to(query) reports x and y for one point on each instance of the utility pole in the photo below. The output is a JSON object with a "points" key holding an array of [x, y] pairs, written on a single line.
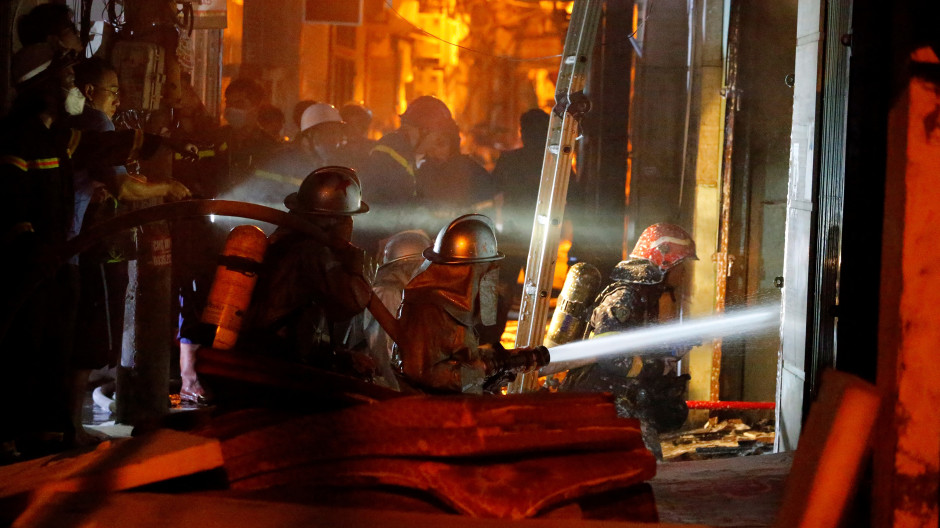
{"points": [[144, 372]]}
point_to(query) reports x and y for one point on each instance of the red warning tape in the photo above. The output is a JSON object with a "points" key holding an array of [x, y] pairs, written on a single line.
{"points": [[729, 405]]}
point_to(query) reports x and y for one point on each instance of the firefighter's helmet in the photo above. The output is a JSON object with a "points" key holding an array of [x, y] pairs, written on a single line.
{"points": [[467, 240], [356, 113], [405, 244], [329, 190], [430, 113], [319, 113], [665, 245], [37, 63]]}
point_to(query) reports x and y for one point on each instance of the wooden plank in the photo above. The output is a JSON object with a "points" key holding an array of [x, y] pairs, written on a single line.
{"points": [[115, 464], [149, 510], [160, 455], [832, 450]]}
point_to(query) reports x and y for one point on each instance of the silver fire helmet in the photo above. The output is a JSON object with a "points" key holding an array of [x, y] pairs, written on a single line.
{"points": [[467, 240], [405, 244], [329, 190]]}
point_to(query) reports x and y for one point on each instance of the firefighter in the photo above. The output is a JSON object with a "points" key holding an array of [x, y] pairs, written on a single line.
{"points": [[453, 293], [389, 172], [271, 121], [426, 128], [38, 155], [648, 388], [359, 119], [322, 134], [454, 181], [400, 260], [248, 145], [308, 293]]}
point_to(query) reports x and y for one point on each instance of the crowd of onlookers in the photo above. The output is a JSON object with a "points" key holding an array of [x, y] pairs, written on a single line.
{"points": [[72, 158]]}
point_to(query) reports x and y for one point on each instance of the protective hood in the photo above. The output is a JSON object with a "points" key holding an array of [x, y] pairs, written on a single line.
{"points": [[637, 271], [397, 274], [467, 292]]}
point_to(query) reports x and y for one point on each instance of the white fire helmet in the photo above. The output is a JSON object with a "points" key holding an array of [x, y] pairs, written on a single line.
{"points": [[318, 113]]}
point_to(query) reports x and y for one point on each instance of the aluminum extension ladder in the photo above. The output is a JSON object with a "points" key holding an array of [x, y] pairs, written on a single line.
{"points": [[570, 106]]}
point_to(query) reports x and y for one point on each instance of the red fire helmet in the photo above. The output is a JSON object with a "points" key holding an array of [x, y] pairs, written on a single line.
{"points": [[665, 245], [430, 113]]}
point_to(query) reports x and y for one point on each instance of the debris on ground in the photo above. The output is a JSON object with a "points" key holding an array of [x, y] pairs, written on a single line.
{"points": [[728, 438]]}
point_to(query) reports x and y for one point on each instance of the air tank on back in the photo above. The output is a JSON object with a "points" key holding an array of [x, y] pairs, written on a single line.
{"points": [[574, 304]]}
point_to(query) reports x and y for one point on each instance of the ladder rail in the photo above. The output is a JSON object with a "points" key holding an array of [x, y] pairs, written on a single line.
{"points": [[570, 105]]}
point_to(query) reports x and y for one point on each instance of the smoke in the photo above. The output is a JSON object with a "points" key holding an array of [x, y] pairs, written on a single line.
{"points": [[662, 338]]}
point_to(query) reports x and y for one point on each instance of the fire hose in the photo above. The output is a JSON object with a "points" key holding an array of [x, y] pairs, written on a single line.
{"points": [[191, 209], [200, 208]]}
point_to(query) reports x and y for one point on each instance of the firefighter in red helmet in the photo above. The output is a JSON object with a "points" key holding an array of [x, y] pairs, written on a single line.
{"points": [[389, 173], [646, 387], [452, 294]]}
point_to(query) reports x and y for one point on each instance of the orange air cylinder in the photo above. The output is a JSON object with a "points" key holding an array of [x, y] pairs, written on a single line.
{"points": [[235, 279]]}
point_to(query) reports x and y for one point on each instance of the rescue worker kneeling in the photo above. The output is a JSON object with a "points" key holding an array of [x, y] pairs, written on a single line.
{"points": [[308, 293], [455, 291]]}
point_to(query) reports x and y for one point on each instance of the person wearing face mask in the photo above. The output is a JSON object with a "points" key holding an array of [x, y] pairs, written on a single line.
{"points": [[38, 157], [319, 144], [248, 145], [239, 148], [101, 192]]}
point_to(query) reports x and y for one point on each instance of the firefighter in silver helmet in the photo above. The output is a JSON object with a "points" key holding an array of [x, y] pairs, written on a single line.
{"points": [[401, 259], [308, 293], [453, 292]]}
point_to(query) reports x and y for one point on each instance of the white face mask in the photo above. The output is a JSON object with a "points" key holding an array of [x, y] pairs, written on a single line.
{"points": [[74, 102]]}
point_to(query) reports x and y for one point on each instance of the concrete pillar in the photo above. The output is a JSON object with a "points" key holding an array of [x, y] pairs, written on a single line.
{"points": [[907, 450], [708, 77], [791, 375]]}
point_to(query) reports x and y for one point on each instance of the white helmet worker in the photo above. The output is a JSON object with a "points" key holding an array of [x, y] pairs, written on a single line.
{"points": [[318, 113]]}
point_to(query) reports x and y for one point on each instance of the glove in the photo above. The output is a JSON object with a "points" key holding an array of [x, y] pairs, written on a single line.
{"points": [[503, 365], [517, 360]]}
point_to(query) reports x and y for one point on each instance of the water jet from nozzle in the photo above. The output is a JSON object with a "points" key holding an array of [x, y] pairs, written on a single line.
{"points": [[661, 339]]}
